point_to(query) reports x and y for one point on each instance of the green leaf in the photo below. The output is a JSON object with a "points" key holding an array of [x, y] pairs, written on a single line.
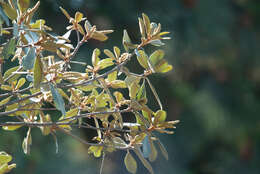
{"points": [[109, 53], [95, 57], [119, 143], [9, 11], [162, 66], [37, 72], [118, 84], [142, 59], [9, 72], [130, 163], [9, 48], [96, 150], [141, 26], [5, 158], [160, 116], [154, 153], [133, 89], [156, 57], [141, 95], [20, 83], [144, 161], [112, 76], [157, 43], [28, 59], [38, 23], [23, 5], [104, 63], [2, 102], [117, 52], [58, 100], [11, 128]]}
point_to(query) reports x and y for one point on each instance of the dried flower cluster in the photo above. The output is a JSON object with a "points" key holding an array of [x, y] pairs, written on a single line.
{"points": [[45, 78]]}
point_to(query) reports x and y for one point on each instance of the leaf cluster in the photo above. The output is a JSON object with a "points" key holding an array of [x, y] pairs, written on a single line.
{"points": [[44, 77]]}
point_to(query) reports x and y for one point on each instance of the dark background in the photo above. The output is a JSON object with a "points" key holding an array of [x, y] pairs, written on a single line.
{"points": [[213, 89]]}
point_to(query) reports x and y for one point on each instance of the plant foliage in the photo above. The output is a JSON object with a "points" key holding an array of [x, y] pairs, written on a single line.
{"points": [[44, 78]]}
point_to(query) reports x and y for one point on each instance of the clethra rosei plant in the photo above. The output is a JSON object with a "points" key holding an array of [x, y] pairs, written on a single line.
{"points": [[107, 91]]}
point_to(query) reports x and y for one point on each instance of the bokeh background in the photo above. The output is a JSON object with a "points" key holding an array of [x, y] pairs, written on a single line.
{"points": [[214, 89]]}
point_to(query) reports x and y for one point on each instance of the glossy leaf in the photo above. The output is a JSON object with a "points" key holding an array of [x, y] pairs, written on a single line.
{"points": [[28, 59], [37, 72], [130, 163], [78, 16], [156, 57], [57, 98], [109, 53]]}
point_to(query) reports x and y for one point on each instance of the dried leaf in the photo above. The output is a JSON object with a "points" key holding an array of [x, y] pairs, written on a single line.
{"points": [[130, 163]]}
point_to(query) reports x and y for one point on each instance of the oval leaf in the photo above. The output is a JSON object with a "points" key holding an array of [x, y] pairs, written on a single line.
{"points": [[37, 72], [28, 59], [130, 163], [58, 100]]}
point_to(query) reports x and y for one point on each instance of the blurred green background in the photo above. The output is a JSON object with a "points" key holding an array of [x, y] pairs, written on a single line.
{"points": [[213, 89]]}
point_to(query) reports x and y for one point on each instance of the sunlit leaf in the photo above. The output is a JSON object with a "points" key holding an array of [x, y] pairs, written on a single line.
{"points": [[130, 163], [65, 13], [112, 76], [117, 52], [126, 40], [95, 57], [6, 88], [27, 142], [20, 83], [11, 128], [109, 53], [147, 24], [119, 142], [104, 63], [141, 26], [156, 57], [9, 11], [78, 16], [142, 59], [118, 84], [157, 43], [99, 36], [160, 116], [58, 100], [141, 95], [96, 150], [38, 23], [37, 72], [9, 73], [28, 59], [5, 158], [23, 5], [4, 101], [119, 96]]}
